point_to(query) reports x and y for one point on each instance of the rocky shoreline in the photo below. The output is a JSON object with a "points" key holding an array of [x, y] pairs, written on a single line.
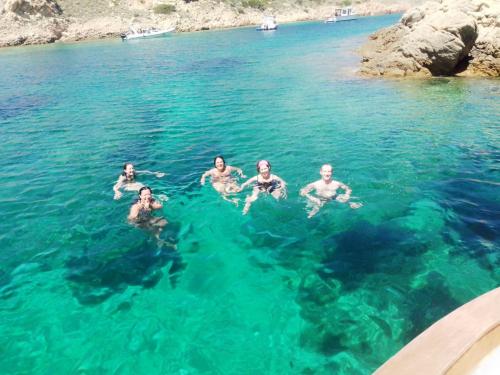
{"points": [[27, 22], [440, 38]]}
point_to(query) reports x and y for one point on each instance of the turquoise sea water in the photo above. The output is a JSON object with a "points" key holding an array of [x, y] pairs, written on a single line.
{"points": [[83, 292]]}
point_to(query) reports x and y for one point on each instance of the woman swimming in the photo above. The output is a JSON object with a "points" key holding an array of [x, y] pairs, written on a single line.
{"points": [[142, 209], [264, 182], [127, 179], [222, 180]]}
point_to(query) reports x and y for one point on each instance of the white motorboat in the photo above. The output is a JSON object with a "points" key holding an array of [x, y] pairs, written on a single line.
{"points": [[146, 33], [343, 14], [268, 24]]}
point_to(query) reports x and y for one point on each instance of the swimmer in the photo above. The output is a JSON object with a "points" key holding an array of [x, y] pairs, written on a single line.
{"points": [[264, 182], [141, 212], [127, 179], [326, 190], [222, 181]]}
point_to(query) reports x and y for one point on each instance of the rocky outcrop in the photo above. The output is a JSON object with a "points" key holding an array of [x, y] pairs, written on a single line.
{"points": [[440, 38], [30, 22], [26, 8]]}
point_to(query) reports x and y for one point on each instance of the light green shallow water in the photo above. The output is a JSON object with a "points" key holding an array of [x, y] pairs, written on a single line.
{"points": [[83, 292]]}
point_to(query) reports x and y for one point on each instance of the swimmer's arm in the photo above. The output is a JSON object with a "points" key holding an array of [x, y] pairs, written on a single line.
{"points": [[282, 188], [204, 176], [307, 189], [134, 212], [248, 182], [347, 193], [239, 171], [281, 181], [117, 186], [157, 174], [155, 205]]}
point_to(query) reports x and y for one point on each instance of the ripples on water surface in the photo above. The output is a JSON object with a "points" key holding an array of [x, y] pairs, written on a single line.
{"points": [[83, 292]]}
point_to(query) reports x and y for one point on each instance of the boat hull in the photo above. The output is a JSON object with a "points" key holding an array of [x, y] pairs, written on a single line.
{"points": [[339, 19], [267, 28], [150, 35]]}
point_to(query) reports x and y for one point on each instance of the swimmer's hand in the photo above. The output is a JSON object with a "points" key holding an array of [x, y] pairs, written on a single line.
{"points": [[202, 181], [240, 172], [118, 195], [162, 197], [342, 198], [160, 174]]}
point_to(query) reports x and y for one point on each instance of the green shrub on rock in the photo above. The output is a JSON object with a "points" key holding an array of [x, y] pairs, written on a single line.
{"points": [[164, 9], [256, 4]]}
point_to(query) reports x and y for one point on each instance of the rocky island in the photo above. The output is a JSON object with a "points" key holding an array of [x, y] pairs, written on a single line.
{"points": [[439, 38]]}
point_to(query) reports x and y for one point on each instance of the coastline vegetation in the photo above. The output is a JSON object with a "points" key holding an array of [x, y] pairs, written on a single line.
{"points": [[256, 4], [164, 9]]}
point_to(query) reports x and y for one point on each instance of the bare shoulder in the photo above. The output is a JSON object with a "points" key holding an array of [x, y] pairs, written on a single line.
{"points": [[338, 183], [134, 208], [317, 184]]}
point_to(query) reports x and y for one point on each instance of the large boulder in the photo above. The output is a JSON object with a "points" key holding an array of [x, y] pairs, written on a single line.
{"points": [[440, 38], [16, 30], [30, 22], [26, 8]]}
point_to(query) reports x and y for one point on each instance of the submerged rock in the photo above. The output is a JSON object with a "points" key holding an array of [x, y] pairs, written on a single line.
{"points": [[448, 37]]}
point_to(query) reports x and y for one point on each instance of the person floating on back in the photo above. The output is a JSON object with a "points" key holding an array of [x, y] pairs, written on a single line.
{"points": [[264, 182], [222, 179], [326, 190], [142, 209], [127, 179]]}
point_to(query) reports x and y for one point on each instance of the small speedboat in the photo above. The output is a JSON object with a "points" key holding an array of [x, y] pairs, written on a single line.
{"points": [[268, 24], [146, 33], [343, 14]]}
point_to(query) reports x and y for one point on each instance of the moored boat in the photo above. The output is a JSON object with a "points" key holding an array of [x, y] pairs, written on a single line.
{"points": [[268, 24], [343, 14], [145, 33]]}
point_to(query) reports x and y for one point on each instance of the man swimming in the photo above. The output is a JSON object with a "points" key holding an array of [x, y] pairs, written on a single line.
{"points": [[222, 180], [326, 190], [142, 209], [127, 180], [264, 182]]}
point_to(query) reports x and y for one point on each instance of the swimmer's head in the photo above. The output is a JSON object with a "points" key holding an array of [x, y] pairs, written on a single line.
{"points": [[261, 164], [145, 192], [326, 171], [219, 162], [128, 169]]}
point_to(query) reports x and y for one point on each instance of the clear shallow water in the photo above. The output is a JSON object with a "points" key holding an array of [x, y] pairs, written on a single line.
{"points": [[83, 292]]}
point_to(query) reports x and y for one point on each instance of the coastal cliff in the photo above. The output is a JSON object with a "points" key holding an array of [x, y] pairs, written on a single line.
{"points": [[440, 38], [24, 22]]}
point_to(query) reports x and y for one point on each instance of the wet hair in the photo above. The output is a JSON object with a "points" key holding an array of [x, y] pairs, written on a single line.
{"points": [[124, 174], [219, 157], [145, 188], [262, 161], [125, 165]]}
